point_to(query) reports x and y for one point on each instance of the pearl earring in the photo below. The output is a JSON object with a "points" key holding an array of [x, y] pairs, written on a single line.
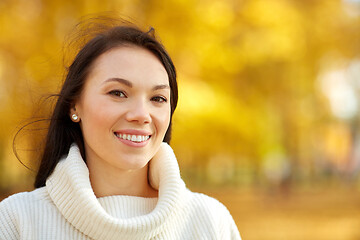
{"points": [[74, 117]]}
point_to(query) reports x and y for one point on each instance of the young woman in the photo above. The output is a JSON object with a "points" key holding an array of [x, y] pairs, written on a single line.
{"points": [[107, 171]]}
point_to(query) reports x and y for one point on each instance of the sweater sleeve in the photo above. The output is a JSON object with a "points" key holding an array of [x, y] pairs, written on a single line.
{"points": [[8, 221]]}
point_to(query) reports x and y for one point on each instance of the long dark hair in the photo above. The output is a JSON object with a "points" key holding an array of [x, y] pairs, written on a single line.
{"points": [[62, 131]]}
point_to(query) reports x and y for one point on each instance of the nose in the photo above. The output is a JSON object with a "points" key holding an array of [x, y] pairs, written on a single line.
{"points": [[138, 112]]}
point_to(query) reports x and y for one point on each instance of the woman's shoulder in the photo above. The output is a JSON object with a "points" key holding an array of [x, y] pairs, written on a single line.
{"points": [[24, 201], [206, 202], [212, 214], [18, 208], [35, 195]]}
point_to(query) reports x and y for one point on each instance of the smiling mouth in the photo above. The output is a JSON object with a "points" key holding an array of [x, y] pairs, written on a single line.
{"points": [[133, 138]]}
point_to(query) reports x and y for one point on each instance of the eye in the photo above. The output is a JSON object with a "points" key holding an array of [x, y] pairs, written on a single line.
{"points": [[159, 99], [117, 93]]}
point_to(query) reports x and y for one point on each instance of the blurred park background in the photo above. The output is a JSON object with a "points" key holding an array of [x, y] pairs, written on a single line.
{"points": [[268, 116]]}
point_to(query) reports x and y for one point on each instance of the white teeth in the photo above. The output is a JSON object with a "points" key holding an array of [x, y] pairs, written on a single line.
{"points": [[133, 138]]}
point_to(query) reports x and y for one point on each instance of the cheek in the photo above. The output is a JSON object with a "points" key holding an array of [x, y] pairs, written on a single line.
{"points": [[163, 120], [95, 115]]}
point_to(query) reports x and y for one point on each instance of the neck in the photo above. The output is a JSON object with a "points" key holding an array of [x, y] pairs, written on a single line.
{"points": [[110, 181]]}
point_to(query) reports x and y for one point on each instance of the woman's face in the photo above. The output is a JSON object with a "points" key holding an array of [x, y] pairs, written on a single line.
{"points": [[124, 108]]}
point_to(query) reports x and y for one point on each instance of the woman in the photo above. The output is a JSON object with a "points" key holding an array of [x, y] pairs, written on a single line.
{"points": [[107, 171]]}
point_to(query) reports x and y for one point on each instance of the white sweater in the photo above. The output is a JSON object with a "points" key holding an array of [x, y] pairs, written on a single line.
{"points": [[67, 208]]}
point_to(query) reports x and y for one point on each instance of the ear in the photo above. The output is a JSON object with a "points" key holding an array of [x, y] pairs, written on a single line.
{"points": [[74, 116]]}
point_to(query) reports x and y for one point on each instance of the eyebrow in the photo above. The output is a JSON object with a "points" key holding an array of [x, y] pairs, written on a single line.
{"points": [[163, 86], [119, 80], [129, 84]]}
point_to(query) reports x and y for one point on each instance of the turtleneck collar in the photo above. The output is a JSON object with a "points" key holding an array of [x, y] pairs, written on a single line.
{"points": [[70, 189]]}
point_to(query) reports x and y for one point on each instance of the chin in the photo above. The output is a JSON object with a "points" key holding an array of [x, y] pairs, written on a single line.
{"points": [[134, 164]]}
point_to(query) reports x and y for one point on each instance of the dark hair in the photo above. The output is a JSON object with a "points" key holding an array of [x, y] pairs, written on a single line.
{"points": [[62, 131]]}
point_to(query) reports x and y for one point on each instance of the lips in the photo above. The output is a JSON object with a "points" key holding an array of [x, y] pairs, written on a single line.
{"points": [[137, 138]]}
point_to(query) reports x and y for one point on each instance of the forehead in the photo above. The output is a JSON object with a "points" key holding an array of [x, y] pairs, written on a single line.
{"points": [[131, 63]]}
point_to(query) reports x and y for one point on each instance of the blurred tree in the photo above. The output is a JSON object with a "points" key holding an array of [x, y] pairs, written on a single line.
{"points": [[247, 73]]}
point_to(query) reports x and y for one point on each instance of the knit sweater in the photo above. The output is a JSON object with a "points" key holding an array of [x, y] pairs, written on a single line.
{"points": [[67, 208]]}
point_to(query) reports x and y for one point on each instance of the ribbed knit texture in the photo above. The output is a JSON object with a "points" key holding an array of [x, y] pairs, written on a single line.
{"points": [[67, 208]]}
